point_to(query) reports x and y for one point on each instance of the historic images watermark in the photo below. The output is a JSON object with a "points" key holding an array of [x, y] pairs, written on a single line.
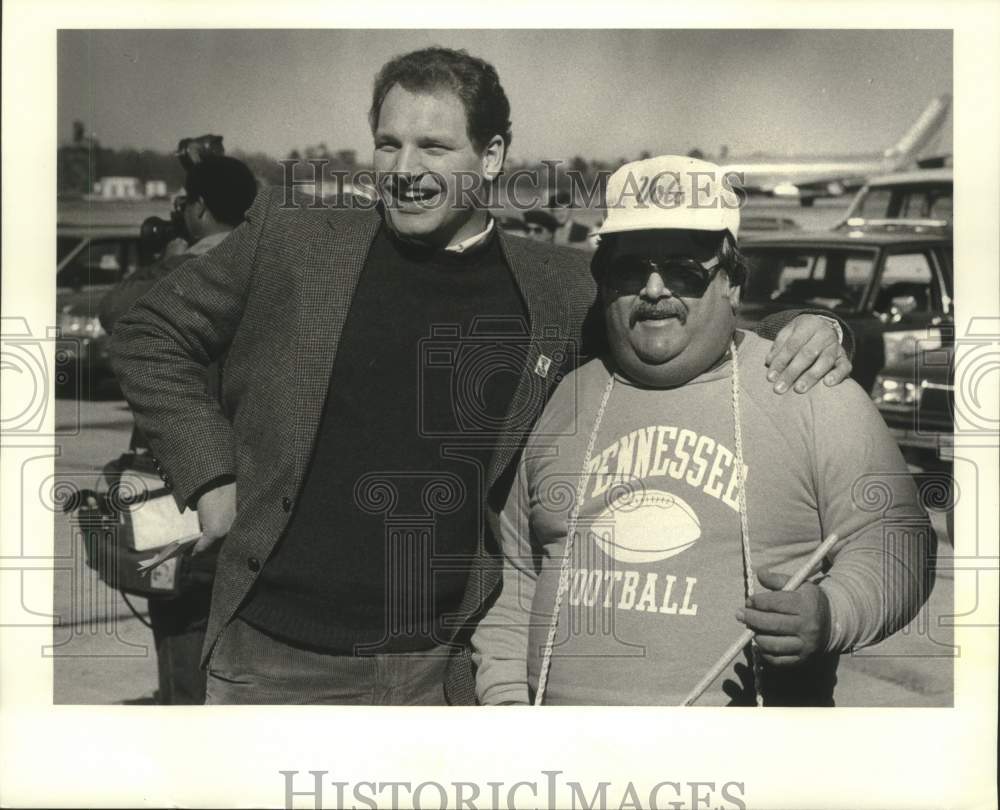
{"points": [[318, 789], [520, 190]]}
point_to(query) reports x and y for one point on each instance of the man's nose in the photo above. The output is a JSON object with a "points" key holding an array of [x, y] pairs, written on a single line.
{"points": [[408, 161], [654, 287]]}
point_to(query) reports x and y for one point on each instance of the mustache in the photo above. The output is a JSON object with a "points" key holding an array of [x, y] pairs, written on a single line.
{"points": [[667, 308]]}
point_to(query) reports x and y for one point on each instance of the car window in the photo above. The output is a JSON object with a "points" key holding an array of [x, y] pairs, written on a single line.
{"points": [[875, 204], [912, 267], [101, 262], [906, 284], [904, 201], [940, 206], [833, 278], [66, 245], [923, 202], [857, 270], [911, 206]]}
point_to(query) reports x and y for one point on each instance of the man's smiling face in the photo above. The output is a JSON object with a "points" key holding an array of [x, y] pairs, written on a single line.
{"points": [[421, 144], [668, 318]]}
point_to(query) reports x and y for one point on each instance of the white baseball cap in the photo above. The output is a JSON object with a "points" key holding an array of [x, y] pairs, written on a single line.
{"points": [[671, 192]]}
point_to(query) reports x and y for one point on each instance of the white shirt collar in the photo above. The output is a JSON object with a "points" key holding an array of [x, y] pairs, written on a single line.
{"points": [[207, 243], [472, 241]]}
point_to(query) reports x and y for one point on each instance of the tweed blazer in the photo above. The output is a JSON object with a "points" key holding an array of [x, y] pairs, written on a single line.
{"points": [[273, 298]]}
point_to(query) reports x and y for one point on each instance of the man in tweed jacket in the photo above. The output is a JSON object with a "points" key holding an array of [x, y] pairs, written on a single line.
{"points": [[318, 313]]}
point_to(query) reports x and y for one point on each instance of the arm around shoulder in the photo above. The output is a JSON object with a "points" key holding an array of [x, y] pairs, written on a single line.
{"points": [[770, 326]]}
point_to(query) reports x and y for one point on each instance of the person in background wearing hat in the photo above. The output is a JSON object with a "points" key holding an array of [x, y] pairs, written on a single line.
{"points": [[512, 225], [668, 493], [568, 231], [540, 225]]}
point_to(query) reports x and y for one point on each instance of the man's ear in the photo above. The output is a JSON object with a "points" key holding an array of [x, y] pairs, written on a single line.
{"points": [[734, 296], [493, 157]]}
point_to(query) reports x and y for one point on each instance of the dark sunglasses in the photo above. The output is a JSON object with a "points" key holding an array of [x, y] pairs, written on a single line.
{"points": [[682, 276]]}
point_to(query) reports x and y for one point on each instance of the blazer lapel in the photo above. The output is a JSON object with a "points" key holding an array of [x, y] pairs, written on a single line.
{"points": [[326, 284], [546, 358]]}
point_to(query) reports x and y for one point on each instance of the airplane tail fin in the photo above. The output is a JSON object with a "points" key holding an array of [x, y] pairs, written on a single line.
{"points": [[920, 134]]}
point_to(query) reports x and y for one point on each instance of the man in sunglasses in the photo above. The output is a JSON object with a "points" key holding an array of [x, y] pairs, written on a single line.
{"points": [[668, 493]]}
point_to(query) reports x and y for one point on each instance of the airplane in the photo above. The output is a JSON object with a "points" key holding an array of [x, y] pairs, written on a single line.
{"points": [[806, 181]]}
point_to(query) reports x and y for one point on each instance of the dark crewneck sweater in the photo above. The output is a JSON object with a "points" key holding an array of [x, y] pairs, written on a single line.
{"points": [[394, 486]]}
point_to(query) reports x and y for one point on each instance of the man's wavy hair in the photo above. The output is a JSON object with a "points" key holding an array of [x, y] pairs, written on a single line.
{"points": [[732, 262], [474, 81]]}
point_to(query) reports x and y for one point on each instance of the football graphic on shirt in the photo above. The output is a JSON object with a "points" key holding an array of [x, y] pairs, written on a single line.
{"points": [[646, 526]]}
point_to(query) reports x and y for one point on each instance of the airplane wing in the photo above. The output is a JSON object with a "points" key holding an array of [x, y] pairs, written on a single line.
{"points": [[807, 181]]}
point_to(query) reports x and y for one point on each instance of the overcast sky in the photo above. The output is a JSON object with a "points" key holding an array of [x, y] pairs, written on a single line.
{"points": [[601, 94]]}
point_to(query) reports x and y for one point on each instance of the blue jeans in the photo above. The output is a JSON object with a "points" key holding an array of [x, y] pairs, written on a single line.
{"points": [[251, 666], [179, 633]]}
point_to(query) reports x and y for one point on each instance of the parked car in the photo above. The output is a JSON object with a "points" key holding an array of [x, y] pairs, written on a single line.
{"points": [[89, 262], [916, 397], [917, 201], [755, 223], [894, 289]]}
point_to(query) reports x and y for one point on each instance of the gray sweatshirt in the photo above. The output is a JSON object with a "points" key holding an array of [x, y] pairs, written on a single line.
{"points": [[658, 570]]}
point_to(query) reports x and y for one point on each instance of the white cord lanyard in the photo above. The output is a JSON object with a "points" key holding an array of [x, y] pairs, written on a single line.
{"points": [[564, 570]]}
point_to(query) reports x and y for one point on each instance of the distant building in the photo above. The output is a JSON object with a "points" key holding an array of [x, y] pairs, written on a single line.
{"points": [[156, 189], [118, 188]]}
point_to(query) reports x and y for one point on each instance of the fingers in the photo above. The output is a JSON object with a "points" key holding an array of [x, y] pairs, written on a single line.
{"points": [[786, 346], [825, 363], [781, 660], [204, 543], [778, 646], [768, 623], [788, 602], [779, 341], [805, 356], [841, 371], [773, 580]]}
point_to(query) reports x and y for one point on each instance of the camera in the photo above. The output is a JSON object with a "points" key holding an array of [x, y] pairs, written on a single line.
{"points": [[156, 233]]}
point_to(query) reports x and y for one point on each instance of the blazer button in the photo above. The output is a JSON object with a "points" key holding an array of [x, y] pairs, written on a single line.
{"points": [[253, 564], [286, 504]]}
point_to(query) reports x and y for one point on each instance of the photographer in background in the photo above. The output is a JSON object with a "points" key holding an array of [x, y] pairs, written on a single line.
{"points": [[218, 190]]}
